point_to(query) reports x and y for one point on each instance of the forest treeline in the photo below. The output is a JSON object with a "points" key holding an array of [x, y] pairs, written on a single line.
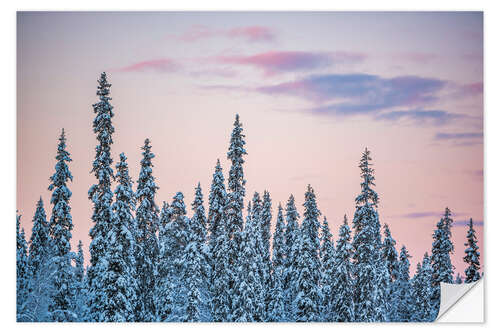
{"points": [[226, 264]]}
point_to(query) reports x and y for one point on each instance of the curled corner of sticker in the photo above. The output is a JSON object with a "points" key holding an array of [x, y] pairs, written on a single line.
{"points": [[459, 304]]}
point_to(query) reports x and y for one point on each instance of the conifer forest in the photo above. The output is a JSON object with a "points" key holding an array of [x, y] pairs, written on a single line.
{"points": [[225, 257]]}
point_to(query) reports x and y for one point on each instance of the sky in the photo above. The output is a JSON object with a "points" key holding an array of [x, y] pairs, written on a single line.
{"points": [[312, 89]]}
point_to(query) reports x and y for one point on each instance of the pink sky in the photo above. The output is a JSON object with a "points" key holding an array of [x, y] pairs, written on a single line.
{"points": [[312, 90]]}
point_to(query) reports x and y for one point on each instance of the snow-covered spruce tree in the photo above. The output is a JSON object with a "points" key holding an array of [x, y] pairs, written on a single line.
{"points": [[147, 242], [404, 302], [61, 306], [40, 267], [342, 287], [198, 230], [165, 288], [219, 248], [422, 291], [199, 220], [265, 226], [389, 253], [39, 246], [279, 242], [390, 257], [101, 196], [308, 300], [369, 278], [193, 261], [276, 310], [235, 196], [22, 272], [442, 248], [262, 268], [292, 246], [120, 286], [79, 284], [327, 256], [247, 299], [176, 240], [458, 279], [471, 256]]}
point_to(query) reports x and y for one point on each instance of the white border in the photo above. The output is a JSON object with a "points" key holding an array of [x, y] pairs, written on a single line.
{"points": [[8, 136]]}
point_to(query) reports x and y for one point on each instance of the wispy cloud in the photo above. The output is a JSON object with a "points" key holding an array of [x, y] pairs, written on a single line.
{"points": [[416, 57], [359, 93], [458, 136], [465, 223], [418, 215], [472, 89], [420, 117], [247, 33], [273, 62], [252, 33], [155, 65]]}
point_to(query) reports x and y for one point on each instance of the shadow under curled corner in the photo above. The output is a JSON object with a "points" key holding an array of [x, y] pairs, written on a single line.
{"points": [[462, 302]]}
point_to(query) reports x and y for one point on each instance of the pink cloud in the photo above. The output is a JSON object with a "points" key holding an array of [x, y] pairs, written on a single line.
{"points": [[156, 65], [252, 33], [248, 33], [417, 57], [273, 62], [472, 89], [197, 32]]}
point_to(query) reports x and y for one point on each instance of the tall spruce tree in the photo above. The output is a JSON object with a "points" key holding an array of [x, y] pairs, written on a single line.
{"points": [[342, 288], [79, 284], [390, 257], [165, 287], [101, 196], [292, 246], [327, 256], [266, 217], [40, 267], [247, 299], [219, 248], [147, 227], [39, 246], [198, 230], [308, 299], [422, 291], [235, 196], [404, 302], [369, 281], [442, 248], [471, 255], [22, 272], [177, 240], [193, 276], [389, 253], [61, 306], [276, 310], [120, 286]]}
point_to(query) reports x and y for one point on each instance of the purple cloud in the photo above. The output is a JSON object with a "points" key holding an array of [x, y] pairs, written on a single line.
{"points": [[418, 215], [458, 136], [252, 33], [420, 117], [273, 62], [360, 93], [472, 89], [417, 57], [156, 65], [465, 223], [247, 33]]}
